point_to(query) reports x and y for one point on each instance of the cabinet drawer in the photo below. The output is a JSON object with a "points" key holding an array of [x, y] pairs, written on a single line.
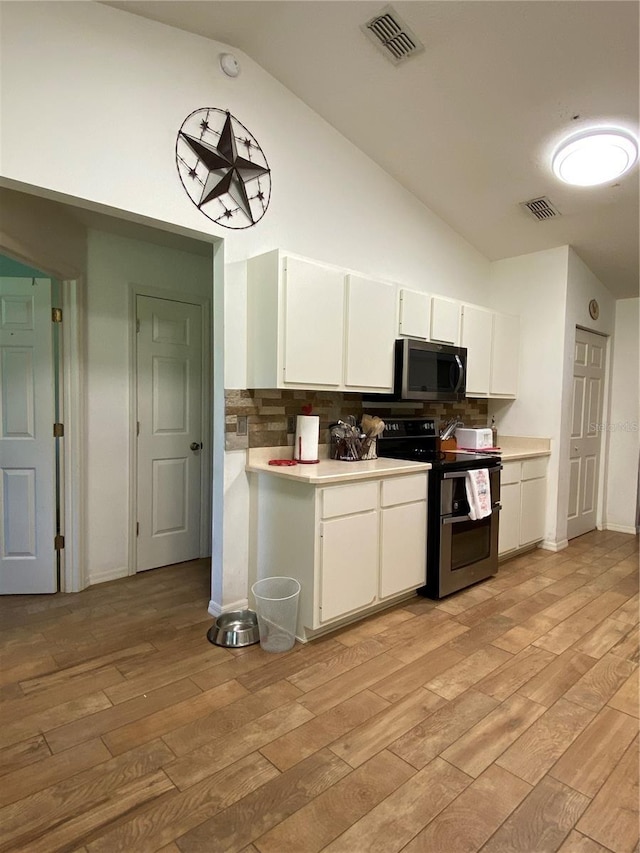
{"points": [[402, 490], [534, 468], [511, 472], [343, 500]]}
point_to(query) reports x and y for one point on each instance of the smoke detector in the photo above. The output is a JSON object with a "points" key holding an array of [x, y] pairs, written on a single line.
{"points": [[391, 35], [540, 208]]}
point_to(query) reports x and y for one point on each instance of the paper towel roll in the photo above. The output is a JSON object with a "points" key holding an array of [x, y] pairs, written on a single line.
{"points": [[305, 448]]}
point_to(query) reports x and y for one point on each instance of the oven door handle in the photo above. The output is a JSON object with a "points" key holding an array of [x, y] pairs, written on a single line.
{"points": [[455, 475], [456, 519]]}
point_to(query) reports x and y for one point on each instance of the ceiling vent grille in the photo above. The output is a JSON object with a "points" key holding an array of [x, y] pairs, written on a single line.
{"points": [[392, 36], [540, 208]]}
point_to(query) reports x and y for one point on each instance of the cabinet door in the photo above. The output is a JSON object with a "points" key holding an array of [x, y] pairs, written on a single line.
{"points": [[371, 333], [445, 320], [348, 564], [313, 323], [414, 314], [509, 525], [505, 355], [403, 548], [533, 506], [477, 331]]}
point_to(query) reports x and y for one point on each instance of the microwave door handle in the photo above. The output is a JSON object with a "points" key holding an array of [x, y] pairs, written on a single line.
{"points": [[460, 373]]}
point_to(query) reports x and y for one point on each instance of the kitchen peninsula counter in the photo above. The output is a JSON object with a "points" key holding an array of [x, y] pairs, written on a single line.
{"points": [[353, 534], [328, 471]]}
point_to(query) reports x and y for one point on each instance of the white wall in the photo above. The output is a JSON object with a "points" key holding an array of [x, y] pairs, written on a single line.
{"points": [[622, 434], [551, 291], [535, 287], [114, 263], [116, 89]]}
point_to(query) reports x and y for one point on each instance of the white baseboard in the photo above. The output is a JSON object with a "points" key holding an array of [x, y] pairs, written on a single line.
{"points": [[551, 545], [105, 575], [621, 528], [216, 609]]}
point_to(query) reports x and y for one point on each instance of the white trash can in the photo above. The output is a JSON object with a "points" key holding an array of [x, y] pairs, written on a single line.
{"points": [[277, 610]]}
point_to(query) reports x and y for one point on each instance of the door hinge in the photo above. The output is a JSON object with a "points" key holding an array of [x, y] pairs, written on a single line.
{"points": [[137, 325], [58, 542], [56, 315], [137, 528], [58, 430], [137, 427]]}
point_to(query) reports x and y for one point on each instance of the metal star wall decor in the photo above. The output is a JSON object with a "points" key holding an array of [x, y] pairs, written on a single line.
{"points": [[222, 168]]}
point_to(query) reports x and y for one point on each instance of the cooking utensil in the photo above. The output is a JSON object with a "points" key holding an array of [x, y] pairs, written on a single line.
{"points": [[372, 428], [449, 428]]}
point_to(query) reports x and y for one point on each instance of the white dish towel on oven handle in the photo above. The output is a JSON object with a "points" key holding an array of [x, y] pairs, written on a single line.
{"points": [[478, 493]]}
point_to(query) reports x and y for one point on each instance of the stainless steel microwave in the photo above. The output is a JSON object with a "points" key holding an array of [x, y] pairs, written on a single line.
{"points": [[427, 371]]}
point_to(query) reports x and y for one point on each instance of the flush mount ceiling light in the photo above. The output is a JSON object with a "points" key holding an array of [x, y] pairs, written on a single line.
{"points": [[595, 156]]}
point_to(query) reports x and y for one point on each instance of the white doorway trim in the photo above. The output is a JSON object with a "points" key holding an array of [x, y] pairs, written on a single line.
{"points": [[136, 290], [73, 577]]}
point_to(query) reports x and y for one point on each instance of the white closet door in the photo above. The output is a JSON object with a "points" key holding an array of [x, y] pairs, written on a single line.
{"points": [[170, 417], [586, 429], [27, 490]]}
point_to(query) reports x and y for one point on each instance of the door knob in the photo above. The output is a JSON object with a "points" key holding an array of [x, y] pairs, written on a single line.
{"points": [[195, 445]]}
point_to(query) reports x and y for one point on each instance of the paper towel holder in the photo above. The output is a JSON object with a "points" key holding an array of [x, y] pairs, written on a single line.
{"points": [[307, 428], [304, 461]]}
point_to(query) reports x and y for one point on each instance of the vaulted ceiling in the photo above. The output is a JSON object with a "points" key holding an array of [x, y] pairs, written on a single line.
{"points": [[468, 124]]}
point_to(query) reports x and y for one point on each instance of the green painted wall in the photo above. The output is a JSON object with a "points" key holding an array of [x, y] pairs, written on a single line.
{"points": [[14, 269]]}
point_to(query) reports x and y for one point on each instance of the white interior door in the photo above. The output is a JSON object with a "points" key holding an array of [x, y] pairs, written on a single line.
{"points": [[27, 490], [586, 429], [169, 383]]}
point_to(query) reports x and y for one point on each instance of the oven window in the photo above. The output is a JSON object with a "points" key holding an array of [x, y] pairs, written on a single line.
{"points": [[470, 542]]}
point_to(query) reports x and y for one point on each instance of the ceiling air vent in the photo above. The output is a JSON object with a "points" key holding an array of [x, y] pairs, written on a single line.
{"points": [[392, 36], [540, 208]]}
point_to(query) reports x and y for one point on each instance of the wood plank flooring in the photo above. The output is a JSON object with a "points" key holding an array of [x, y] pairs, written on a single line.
{"points": [[504, 718]]}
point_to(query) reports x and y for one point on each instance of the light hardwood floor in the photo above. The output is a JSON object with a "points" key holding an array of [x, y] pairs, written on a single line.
{"points": [[504, 718]]}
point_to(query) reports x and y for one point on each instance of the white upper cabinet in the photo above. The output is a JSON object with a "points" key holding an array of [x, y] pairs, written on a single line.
{"points": [[505, 355], [445, 320], [313, 325], [476, 336], [415, 310], [370, 333]]}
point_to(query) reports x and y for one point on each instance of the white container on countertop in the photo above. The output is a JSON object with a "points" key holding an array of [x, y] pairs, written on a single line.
{"points": [[474, 439], [305, 446]]}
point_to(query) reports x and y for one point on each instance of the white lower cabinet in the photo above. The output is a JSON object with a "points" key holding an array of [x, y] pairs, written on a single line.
{"points": [[523, 495], [352, 546], [403, 546], [509, 531], [348, 554]]}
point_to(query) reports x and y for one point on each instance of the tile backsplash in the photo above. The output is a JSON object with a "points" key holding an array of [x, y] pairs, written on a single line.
{"points": [[269, 413]]}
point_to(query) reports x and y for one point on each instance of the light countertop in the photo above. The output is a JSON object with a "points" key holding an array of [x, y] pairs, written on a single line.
{"points": [[328, 470], [514, 447]]}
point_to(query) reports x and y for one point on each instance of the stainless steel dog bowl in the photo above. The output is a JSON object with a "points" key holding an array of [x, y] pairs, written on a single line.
{"points": [[234, 629]]}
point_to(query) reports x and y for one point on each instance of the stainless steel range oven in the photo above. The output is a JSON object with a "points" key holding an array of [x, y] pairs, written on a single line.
{"points": [[460, 551]]}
